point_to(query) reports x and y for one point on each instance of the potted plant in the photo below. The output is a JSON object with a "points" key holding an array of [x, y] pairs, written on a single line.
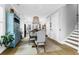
{"points": [[0, 43], [7, 39]]}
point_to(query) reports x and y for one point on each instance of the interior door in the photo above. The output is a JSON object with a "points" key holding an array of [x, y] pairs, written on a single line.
{"points": [[24, 30]]}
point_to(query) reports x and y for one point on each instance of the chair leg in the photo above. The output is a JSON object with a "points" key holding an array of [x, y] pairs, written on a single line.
{"points": [[29, 41], [44, 49], [37, 49]]}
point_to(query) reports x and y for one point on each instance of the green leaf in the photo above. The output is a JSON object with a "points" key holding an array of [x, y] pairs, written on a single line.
{"points": [[7, 38]]}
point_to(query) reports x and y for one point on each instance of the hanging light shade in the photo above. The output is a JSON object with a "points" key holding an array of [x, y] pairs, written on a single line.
{"points": [[35, 20]]}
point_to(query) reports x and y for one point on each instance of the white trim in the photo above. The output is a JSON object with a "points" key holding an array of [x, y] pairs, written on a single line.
{"points": [[61, 42], [72, 42], [73, 38], [71, 45], [74, 35], [75, 32]]}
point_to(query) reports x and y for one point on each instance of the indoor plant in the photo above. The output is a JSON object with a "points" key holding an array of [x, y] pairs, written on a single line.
{"points": [[7, 39]]}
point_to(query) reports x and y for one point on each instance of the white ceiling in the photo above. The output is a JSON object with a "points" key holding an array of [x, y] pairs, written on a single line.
{"points": [[36, 9]]}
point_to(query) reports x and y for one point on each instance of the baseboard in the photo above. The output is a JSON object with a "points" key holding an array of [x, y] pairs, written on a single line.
{"points": [[78, 51], [60, 42]]}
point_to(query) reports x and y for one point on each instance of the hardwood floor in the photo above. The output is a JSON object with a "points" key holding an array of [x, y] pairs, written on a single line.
{"points": [[52, 48], [66, 50]]}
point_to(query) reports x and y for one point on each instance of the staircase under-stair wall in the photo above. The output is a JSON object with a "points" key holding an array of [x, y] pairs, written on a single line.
{"points": [[73, 39]]}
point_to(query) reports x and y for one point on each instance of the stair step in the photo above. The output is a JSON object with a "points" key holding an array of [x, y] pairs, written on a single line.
{"points": [[72, 43], [73, 40], [75, 36], [75, 33]]}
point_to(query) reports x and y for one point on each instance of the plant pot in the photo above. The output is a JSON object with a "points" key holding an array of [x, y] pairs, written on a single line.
{"points": [[7, 45]]}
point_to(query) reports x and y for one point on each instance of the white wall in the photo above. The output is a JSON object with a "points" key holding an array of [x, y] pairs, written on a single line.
{"points": [[48, 27], [2, 20], [63, 22], [78, 13], [68, 19]]}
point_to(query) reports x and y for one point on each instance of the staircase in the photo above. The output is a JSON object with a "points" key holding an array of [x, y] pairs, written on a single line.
{"points": [[73, 39]]}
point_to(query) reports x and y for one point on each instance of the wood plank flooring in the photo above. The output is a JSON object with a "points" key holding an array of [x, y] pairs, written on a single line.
{"points": [[66, 50], [62, 50]]}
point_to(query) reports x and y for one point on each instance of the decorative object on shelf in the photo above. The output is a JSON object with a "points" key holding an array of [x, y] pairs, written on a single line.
{"points": [[7, 39]]}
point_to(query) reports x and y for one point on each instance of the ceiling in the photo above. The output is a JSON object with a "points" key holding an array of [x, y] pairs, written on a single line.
{"points": [[36, 9]]}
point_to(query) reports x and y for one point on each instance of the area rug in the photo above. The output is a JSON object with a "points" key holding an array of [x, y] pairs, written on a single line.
{"points": [[25, 48]]}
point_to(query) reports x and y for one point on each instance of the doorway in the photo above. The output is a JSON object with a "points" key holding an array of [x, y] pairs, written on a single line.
{"points": [[24, 30]]}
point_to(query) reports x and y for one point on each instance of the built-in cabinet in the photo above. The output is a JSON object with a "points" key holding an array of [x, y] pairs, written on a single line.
{"points": [[13, 26], [54, 24]]}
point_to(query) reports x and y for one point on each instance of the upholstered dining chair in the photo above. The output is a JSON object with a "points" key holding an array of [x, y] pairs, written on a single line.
{"points": [[41, 40], [32, 36]]}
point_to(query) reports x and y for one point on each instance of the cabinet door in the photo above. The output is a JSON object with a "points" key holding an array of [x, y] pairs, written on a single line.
{"points": [[55, 31], [48, 26], [10, 26]]}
